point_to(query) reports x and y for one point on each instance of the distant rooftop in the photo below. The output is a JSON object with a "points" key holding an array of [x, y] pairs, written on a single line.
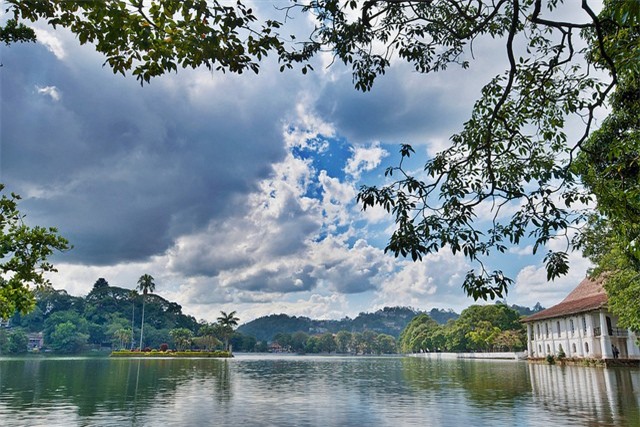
{"points": [[587, 296]]}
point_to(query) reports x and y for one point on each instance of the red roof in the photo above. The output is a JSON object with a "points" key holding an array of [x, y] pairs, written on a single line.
{"points": [[589, 295]]}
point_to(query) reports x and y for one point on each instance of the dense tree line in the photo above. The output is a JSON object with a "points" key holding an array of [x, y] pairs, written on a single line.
{"points": [[479, 328], [343, 342], [388, 320], [110, 317]]}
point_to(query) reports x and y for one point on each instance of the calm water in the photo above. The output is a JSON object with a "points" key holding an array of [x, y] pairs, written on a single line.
{"points": [[312, 391]]}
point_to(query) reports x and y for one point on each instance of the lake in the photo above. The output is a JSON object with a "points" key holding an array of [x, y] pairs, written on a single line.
{"points": [[287, 390]]}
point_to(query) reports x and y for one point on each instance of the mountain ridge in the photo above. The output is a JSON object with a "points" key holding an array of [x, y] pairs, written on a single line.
{"points": [[388, 320]]}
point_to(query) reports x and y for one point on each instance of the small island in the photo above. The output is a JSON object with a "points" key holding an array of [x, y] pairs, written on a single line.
{"points": [[171, 353]]}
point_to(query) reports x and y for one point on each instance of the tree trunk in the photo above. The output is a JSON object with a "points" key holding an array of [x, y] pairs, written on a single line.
{"points": [[142, 324], [133, 308]]}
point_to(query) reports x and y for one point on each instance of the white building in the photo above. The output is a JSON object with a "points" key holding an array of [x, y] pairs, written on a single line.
{"points": [[581, 327]]}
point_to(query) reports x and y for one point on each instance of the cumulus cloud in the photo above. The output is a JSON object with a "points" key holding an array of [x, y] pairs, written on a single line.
{"points": [[365, 159], [531, 284], [284, 242], [51, 40], [434, 282]]}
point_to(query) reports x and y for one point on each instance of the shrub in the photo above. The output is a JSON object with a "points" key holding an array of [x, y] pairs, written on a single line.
{"points": [[147, 349], [164, 346], [561, 354], [551, 360]]}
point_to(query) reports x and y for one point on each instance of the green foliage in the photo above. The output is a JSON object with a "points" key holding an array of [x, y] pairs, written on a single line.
{"points": [[561, 354], [244, 343], [479, 327], [389, 320], [509, 340], [153, 38], [385, 344], [298, 341], [14, 32], [344, 342], [66, 332], [67, 338], [121, 337], [621, 271], [104, 317], [23, 257], [551, 359], [13, 341], [227, 322], [182, 337], [416, 337], [146, 285], [208, 336], [609, 166]]}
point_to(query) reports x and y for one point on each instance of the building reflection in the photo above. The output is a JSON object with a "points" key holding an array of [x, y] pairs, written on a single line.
{"points": [[602, 396]]}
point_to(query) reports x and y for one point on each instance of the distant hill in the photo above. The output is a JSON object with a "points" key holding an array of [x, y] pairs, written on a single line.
{"points": [[389, 320], [526, 311]]}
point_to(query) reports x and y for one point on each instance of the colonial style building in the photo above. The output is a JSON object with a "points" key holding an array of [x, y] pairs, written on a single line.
{"points": [[580, 327]]}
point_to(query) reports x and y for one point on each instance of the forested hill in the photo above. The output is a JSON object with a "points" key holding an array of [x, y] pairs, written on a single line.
{"points": [[72, 324], [389, 320]]}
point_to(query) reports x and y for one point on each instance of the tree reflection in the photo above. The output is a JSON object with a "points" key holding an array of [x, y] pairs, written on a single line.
{"points": [[484, 382], [111, 385]]}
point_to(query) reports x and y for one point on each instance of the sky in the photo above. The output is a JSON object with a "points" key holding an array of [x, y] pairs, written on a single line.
{"points": [[238, 192]]}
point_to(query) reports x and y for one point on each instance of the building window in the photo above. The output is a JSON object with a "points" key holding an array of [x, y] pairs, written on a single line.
{"points": [[572, 327], [539, 349], [548, 349], [586, 347], [573, 349], [558, 328], [584, 325], [546, 330], [538, 330]]}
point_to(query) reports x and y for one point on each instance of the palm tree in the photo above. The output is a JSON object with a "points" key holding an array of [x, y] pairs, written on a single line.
{"points": [[145, 285], [122, 335], [227, 322]]}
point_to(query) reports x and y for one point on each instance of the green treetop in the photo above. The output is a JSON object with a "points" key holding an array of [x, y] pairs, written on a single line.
{"points": [[23, 257]]}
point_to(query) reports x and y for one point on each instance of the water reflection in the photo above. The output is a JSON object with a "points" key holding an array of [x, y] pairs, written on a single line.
{"points": [[328, 391], [588, 396], [52, 389]]}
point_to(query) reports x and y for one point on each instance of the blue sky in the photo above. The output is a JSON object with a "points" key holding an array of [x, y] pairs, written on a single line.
{"points": [[237, 192]]}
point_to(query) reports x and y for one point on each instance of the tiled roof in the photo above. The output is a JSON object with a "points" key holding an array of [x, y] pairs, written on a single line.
{"points": [[587, 296]]}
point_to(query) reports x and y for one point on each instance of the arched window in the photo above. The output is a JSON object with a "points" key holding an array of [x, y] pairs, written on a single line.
{"points": [[573, 330], [558, 328], [548, 349], [573, 348], [586, 347]]}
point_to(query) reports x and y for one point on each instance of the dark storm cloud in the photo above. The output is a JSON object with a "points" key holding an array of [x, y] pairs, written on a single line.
{"points": [[401, 107], [280, 279], [123, 170]]}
